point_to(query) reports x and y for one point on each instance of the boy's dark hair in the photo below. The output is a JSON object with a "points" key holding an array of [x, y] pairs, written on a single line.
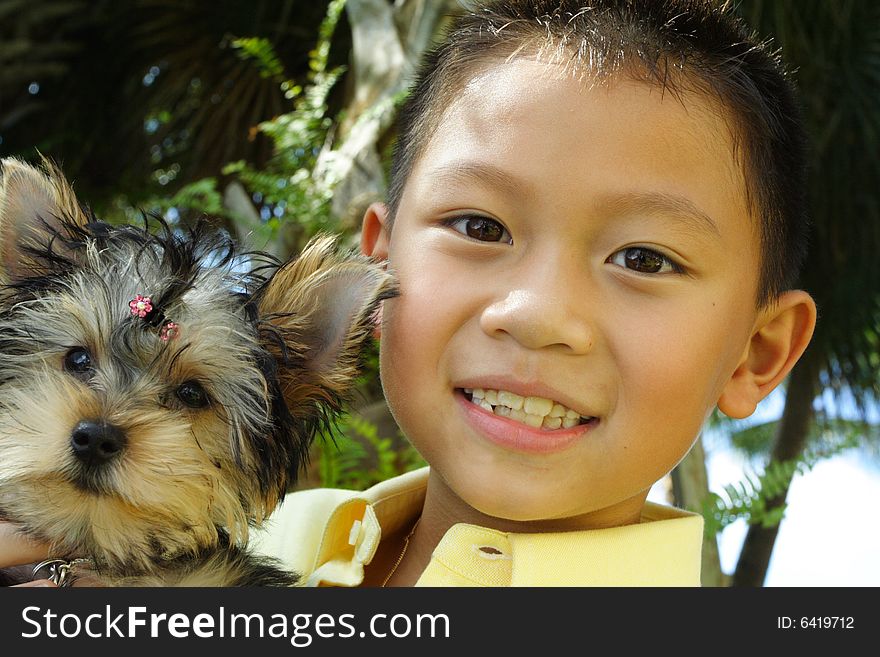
{"points": [[681, 45]]}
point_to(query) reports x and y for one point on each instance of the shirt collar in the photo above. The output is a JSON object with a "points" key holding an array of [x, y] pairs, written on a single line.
{"points": [[663, 549]]}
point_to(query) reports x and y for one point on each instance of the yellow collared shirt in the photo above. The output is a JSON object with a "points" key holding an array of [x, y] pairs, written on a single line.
{"points": [[329, 535]]}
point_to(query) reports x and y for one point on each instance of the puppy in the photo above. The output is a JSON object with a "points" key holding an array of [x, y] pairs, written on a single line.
{"points": [[158, 389]]}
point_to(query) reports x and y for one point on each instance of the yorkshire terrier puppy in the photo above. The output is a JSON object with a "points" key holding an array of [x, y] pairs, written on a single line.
{"points": [[158, 392]]}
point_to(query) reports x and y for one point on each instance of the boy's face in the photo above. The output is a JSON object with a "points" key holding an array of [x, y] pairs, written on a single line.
{"points": [[588, 246]]}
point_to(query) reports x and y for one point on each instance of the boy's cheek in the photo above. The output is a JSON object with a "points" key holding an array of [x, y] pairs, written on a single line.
{"points": [[682, 386], [427, 301]]}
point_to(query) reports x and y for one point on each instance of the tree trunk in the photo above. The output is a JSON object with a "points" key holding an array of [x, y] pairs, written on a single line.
{"points": [[387, 42], [791, 437], [690, 486]]}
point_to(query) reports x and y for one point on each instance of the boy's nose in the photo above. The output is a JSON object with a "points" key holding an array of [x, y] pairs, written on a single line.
{"points": [[536, 319]]}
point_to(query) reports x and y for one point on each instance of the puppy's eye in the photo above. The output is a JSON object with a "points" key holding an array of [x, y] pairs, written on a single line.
{"points": [[192, 394], [78, 361]]}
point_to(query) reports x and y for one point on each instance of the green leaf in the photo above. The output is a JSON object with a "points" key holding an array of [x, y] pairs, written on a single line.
{"points": [[750, 498]]}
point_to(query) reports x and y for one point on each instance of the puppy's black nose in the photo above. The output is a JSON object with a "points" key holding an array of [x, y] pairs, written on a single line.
{"points": [[96, 443]]}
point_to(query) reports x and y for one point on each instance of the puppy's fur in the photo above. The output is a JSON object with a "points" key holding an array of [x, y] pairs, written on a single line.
{"points": [[151, 451]]}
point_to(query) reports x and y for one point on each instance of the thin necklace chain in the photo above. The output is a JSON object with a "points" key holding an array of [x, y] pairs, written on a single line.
{"points": [[402, 553], [61, 571]]}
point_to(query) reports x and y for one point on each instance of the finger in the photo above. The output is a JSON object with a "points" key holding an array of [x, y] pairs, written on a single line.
{"points": [[36, 583], [16, 548]]}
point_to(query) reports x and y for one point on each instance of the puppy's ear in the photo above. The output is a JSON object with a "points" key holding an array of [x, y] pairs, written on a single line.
{"points": [[319, 310], [35, 203]]}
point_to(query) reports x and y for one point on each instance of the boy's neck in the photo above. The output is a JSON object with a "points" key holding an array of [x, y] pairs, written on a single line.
{"points": [[443, 509]]}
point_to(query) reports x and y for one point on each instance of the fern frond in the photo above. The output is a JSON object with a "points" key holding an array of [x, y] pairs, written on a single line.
{"points": [[358, 457], [750, 497], [261, 51], [294, 186]]}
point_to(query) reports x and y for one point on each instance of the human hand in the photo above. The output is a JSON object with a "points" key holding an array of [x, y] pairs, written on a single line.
{"points": [[16, 549]]}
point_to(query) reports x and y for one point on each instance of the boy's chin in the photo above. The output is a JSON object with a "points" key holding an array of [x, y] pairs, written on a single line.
{"points": [[540, 510], [512, 506]]}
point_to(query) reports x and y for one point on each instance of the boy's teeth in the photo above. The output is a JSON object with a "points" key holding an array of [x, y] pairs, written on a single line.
{"points": [[538, 405], [510, 399], [558, 410], [533, 411], [534, 420]]}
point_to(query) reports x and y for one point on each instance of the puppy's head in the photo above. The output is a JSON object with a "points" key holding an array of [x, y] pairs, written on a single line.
{"points": [[155, 390]]}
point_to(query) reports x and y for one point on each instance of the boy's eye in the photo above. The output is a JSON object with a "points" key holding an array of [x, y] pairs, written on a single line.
{"points": [[78, 361], [192, 394], [480, 228], [644, 261]]}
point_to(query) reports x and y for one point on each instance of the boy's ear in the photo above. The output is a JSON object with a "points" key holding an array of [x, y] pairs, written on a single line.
{"points": [[34, 203], [780, 337], [318, 311], [375, 235], [375, 232]]}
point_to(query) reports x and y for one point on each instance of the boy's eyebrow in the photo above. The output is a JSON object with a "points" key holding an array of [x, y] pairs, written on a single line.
{"points": [[678, 207], [483, 173]]}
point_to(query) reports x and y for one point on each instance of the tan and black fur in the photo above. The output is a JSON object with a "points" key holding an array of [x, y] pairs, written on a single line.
{"points": [[206, 431]]}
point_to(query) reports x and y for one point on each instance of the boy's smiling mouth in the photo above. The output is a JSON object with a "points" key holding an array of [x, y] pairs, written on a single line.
{"points": [[535, 412]]}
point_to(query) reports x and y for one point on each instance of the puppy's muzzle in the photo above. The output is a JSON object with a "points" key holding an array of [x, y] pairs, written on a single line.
{"points": [[97, 443]]}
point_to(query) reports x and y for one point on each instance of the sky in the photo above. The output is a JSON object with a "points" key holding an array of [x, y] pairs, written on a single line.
{"points": [[830, 535]]}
